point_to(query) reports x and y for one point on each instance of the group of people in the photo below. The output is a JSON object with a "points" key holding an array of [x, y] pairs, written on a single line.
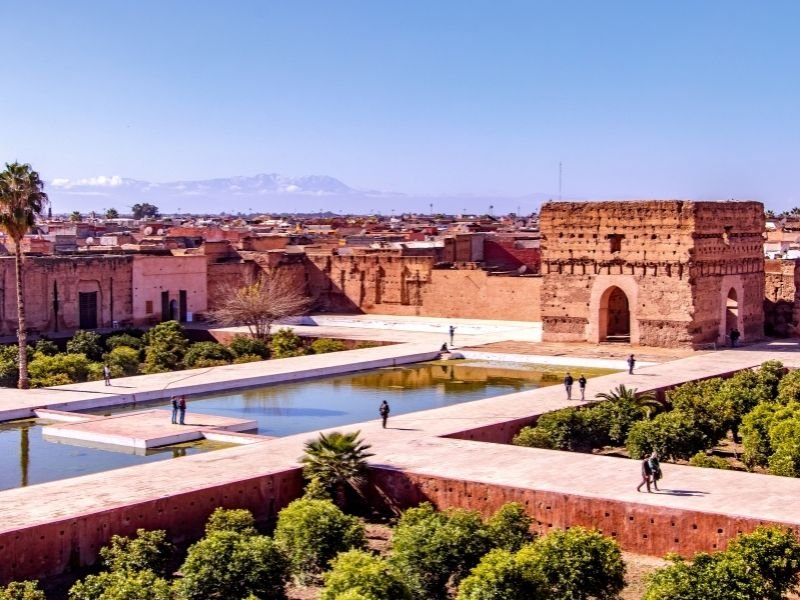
{"points": [[178, 410], [651, 472], [569, 380]]}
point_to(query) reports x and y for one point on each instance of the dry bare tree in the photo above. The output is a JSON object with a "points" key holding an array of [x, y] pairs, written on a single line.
{"points": [[259, 303]]}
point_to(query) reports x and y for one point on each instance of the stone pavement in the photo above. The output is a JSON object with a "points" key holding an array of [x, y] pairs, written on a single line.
{"points": [[414, 443]]}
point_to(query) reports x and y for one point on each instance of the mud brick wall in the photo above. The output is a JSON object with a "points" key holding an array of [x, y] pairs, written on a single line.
{"points": [[391, 284], [676, 262], [638, 528], [108, 276], [781, 297]]}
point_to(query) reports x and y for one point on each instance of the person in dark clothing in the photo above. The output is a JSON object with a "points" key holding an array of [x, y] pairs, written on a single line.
{"points": [[384, 412], [452, 334], [174, 410], [568, 381], [582, 386], [734, 337], [647, 475], [631, 363], [181, 410]]}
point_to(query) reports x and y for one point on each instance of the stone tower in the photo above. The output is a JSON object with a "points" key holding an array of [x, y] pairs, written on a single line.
{"points": [[657, 273]]}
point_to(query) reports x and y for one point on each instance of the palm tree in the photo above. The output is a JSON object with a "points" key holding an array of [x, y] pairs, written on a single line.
{"points": [[337, 461], [646, 402], [22, 199]]}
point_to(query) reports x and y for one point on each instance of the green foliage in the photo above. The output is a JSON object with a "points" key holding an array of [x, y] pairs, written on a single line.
{"points": [[739, 395], [144, 210], [702, 402], [205, 352], [239, 520], [789, 387], [22, 590], [534, 437], [431, 547], [504, 575], [148, 551], [112, 213], [770, 375], [227, 564], [565, 429], [770, 434], [285, 343], [124, 339], [123, 361], [366, 344], [338, 461], [316, 490], [323, 346], [763, 564], [58, 370], [674, 435], [755, 435], [510, 527], [46, 347], [578, 564], [312, 532], [370, 575], [243, 345], [122, 585], [701, 459], [86, 342], [165, 346], [247, 358], [9, 365]]}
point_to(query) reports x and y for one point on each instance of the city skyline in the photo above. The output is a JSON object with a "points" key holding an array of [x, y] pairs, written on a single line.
{"points": [[476, 103]]}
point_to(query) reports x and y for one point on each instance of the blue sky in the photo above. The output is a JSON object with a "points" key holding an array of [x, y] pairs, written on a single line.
{"points": [[647, 99]]}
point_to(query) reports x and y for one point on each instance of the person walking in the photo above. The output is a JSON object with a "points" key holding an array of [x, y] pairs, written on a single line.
{"points": [[107, 374], [647, 475], [452, 334], [384, 412], [174, 410], [582, 386], [568, 381], [631, 364], [655, 469], [181, 410]]}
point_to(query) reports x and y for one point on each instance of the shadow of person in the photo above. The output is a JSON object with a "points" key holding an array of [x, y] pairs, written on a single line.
{"points": [[681, 492]]}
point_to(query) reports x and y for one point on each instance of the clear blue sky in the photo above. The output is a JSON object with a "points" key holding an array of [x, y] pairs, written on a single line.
{"points": [[678, 98]]}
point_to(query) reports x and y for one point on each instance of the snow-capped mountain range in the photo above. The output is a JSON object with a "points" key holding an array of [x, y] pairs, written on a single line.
{"points": [[267, 193]]}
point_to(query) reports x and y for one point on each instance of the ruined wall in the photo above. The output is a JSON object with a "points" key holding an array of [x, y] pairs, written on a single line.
{"points": [[675, 261], [63, 277], [153, 275], [390, 284], [781, 299]]}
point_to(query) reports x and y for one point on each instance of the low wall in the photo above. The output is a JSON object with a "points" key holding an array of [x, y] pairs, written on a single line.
{"points": [[47, 549], [639, 528]]}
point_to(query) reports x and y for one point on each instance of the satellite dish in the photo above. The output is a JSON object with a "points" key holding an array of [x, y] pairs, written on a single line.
{"points": [[89, 241], [160, 232], [148, 230]]}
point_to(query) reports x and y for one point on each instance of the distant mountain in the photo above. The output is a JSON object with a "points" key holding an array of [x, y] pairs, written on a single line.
{"points": [[265, 193]]}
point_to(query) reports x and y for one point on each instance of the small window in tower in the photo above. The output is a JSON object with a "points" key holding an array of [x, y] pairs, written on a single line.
{"points": [[615, 242]]}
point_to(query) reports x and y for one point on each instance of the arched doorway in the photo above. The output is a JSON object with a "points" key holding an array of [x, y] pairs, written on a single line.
{"points": [[731, 312], [615, 316]]}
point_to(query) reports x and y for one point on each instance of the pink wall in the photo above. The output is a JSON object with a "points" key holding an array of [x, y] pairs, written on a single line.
{"points": [[155, 274]]}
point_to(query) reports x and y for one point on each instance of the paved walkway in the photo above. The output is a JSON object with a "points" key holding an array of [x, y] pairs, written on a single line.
{"points": [[414, 443]]}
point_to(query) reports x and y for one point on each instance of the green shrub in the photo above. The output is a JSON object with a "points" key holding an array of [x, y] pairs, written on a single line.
{"points": [[577, 564], [86, 342], [242, 345], [510, 527], [239, 520], [165, 346], [370, 575], [354, 595], [534, 437], [431, 548], [22, 590], [124, 339], [46, 347], [763, 564], [703, 403], [58, 370], [701, 459], [366, 344], [784, 436], [313, 532], [285, 343], [148, 551], [247, 358], [674, 435], [227, 564], [565, 429], [9, 365], [755, 435], [207, 352], [504, 575], [338, 461], [323, 346], [123, 361], [770, 374], [122, 585]]}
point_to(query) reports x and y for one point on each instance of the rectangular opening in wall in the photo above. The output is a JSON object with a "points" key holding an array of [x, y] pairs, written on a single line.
{"points": [[148, 307], [182, 305], [87, 310], [165, 306]]}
